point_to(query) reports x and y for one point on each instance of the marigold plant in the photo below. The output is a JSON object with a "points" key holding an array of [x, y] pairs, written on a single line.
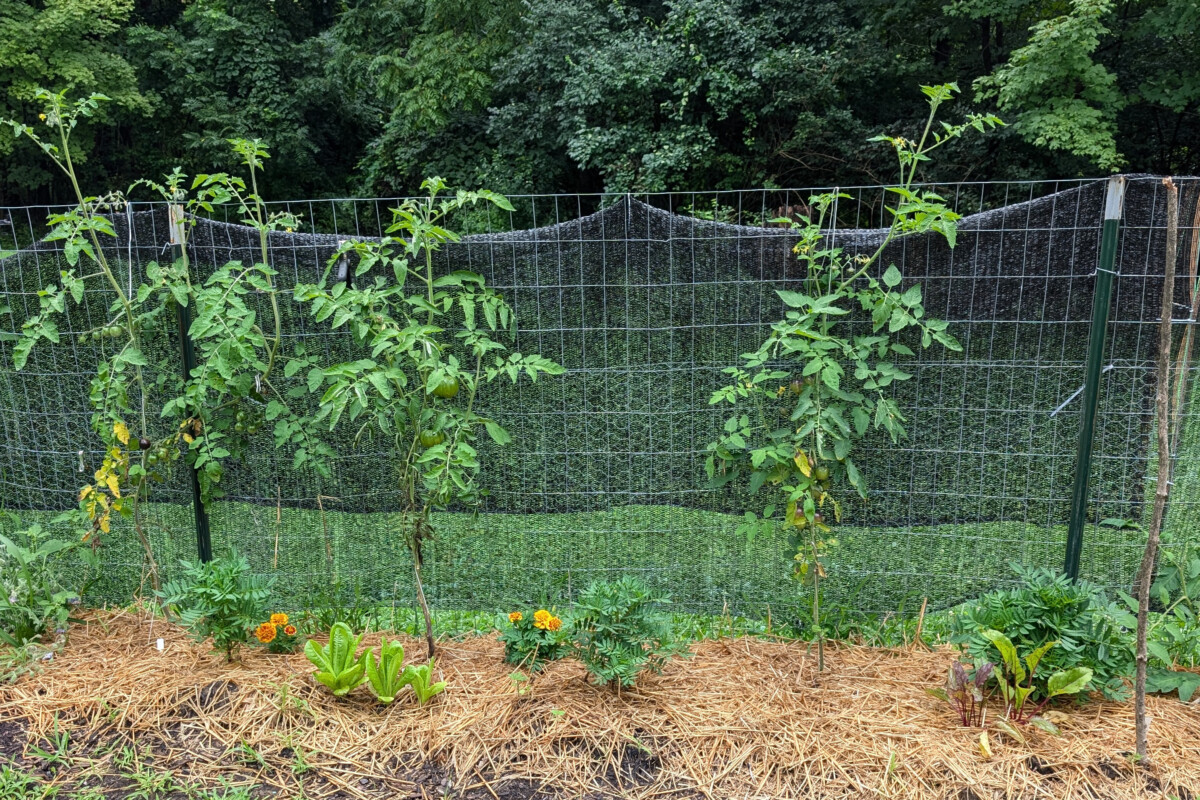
{"points": [[265, 633], [278, 634], [532, 642]]}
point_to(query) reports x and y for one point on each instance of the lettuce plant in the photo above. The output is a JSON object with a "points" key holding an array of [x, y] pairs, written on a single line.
{"points": [[419, 678], [386, 676], [337, 666]]}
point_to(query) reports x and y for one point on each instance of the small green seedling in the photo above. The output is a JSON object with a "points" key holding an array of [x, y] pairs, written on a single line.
{"points": [[419, 678]]}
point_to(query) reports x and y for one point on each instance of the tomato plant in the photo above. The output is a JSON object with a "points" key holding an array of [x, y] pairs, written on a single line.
{"points": [[425, 353], [832, 386]]}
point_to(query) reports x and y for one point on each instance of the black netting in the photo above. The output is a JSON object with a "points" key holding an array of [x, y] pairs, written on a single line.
{"points": [[645, 306]]}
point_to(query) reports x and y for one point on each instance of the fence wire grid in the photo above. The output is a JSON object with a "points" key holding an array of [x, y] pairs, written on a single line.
{"points": [[645, 299]]}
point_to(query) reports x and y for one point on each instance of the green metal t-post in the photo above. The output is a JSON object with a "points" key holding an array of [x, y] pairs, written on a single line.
{"points": [[1091, 385], [203, 535]]}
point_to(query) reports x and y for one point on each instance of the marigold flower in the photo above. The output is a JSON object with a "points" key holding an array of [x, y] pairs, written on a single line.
{"points": [[541, 618], [290, 630], [515, 617], [279, 619], [265, 633], [554, 624]]}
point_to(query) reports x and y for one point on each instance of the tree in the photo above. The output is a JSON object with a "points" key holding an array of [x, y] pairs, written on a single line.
{"points": [[68, 44]]}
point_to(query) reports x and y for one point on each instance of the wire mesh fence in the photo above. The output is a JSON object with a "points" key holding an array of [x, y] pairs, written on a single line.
{"points": [[645, 300]]}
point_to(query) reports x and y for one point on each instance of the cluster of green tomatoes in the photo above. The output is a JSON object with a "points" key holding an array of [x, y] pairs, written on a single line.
{"points": [[447, 389]]}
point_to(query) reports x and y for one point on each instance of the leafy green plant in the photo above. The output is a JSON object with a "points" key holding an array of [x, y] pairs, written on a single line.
{"points": [[533, 640], [33, 592], [967, 693], [386, 674], [338, 600], [1016, 681], [619, 631], [59, 750], [207, 416], [831, 385], [151, 784], [337, 666], [18, 785], [219, 599], [420, 677], [415, 383], [1089, 629]]}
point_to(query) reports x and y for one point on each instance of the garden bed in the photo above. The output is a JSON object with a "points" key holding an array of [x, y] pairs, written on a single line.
{"points": [[742, 718]]}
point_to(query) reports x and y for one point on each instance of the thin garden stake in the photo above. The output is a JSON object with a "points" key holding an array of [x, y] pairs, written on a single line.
{"points": [[1162, 421], [1091, 388]]}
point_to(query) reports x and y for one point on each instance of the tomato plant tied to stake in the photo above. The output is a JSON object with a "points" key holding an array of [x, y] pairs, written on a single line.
{"points": [[208, 415], [831, 386], [425, 353]]}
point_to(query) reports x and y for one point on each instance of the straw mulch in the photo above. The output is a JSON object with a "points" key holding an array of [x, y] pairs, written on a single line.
{"points": [[741, 718]]}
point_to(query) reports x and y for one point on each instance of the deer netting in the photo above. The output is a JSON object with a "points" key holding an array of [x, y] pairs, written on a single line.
{"points": [[645, 300]]}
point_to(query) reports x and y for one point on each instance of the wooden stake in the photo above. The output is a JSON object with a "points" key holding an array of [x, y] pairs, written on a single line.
{"points": [[1163, 421]]}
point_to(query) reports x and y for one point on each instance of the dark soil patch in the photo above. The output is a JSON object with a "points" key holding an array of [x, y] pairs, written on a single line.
{"points": [[1108, 770], [1039, 766], [12, 739]]}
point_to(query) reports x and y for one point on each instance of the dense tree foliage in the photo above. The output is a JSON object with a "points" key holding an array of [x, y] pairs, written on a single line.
{"points": [[368, 96]]}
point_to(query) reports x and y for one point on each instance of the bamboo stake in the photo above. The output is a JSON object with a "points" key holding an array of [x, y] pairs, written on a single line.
{"points": [[1163, 406]]}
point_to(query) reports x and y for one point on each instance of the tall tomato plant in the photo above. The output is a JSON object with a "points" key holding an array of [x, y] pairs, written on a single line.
{"points": [[832, 386], [425, 354], [207, 416]]}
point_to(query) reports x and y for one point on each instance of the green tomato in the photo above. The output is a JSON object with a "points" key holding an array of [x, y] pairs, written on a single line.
{"points": [[432, 438], [447, 389], [239, 427], [821, 473]]}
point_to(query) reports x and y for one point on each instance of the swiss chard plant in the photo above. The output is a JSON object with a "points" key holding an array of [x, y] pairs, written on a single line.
{"points": [[207, 416], [1023, 699], [967, 693], [338, 667], [832, 385], [428, 344]]}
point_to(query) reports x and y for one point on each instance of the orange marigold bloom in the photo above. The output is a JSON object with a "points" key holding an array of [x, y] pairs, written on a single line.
{"points": [[515, 617], [265, 633], [554, 624], [279, 619], [290, 630], [541, 618]]}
